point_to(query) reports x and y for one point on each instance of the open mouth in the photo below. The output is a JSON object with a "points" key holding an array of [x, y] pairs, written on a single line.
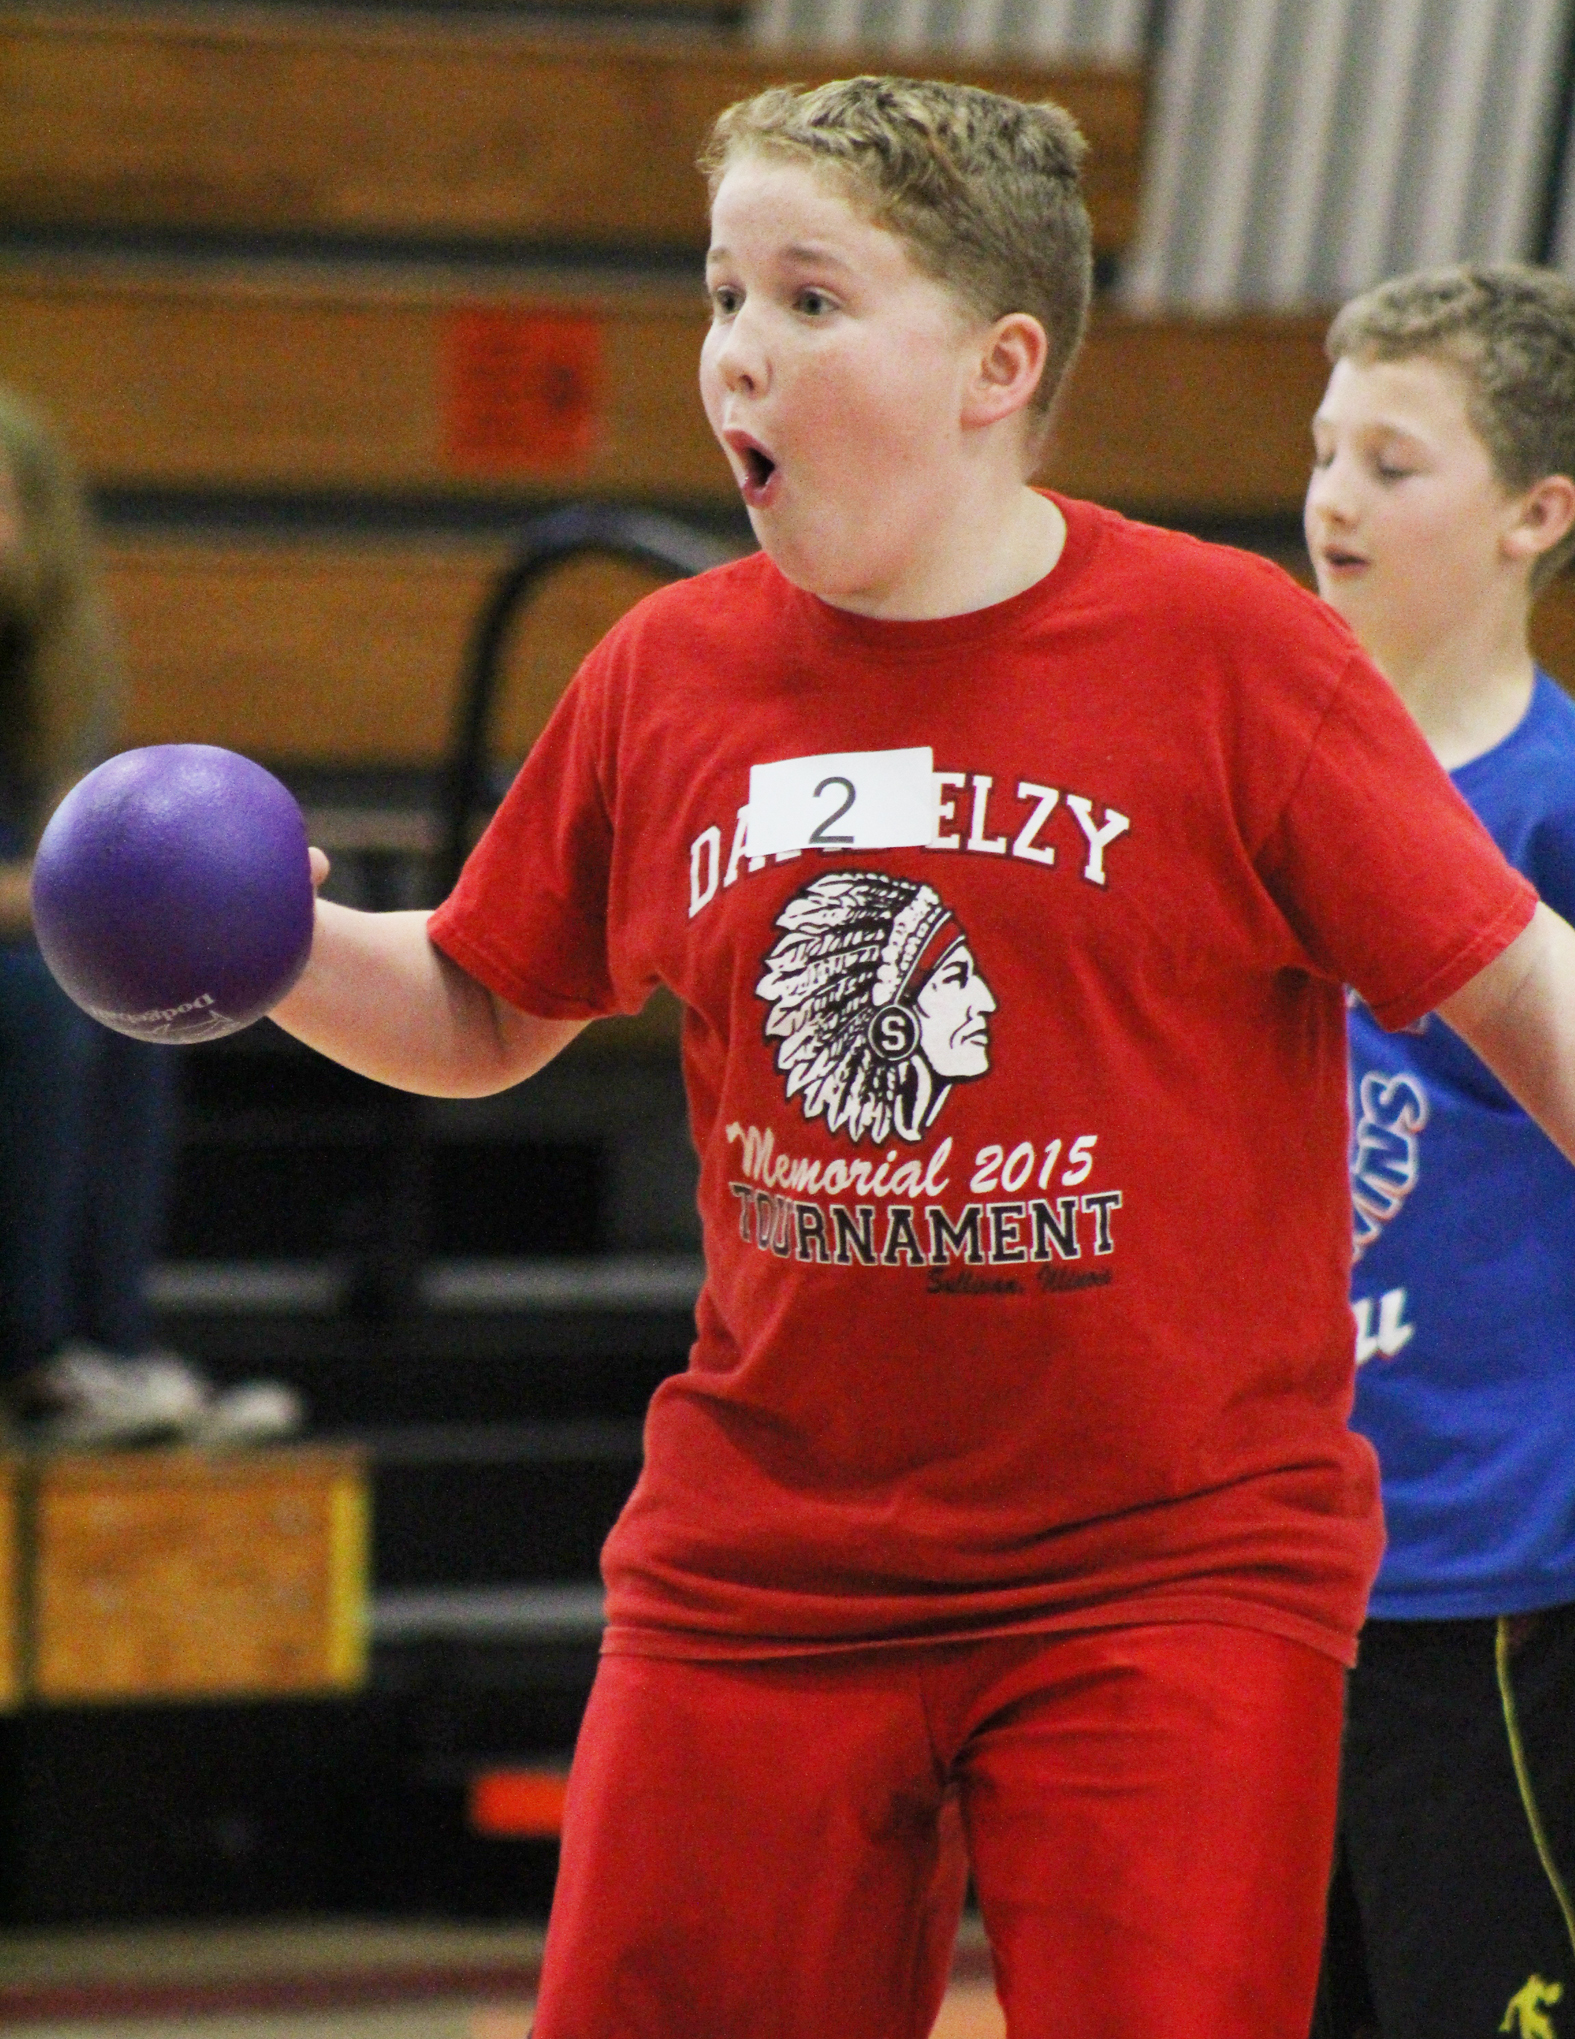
{"points": [[760, 470]]}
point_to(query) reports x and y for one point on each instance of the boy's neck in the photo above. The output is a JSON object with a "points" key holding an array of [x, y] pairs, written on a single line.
{"points": [[978, 551], [1468, 689]]}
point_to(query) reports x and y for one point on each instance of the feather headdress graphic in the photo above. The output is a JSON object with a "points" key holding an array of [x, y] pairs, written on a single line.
{"points": [[877, 1004]]}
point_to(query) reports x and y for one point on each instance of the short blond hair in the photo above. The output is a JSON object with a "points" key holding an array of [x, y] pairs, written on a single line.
{"points": [[1510, 331], [985, 191]]}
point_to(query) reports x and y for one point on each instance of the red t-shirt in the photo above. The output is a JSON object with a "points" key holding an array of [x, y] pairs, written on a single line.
{"points": [[1023, 1154]]}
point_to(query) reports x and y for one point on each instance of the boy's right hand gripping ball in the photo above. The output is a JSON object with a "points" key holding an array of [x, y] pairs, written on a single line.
{"points": [[172, 893]]}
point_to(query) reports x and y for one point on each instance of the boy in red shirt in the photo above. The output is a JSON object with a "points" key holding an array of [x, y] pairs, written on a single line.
{"points": [[986, 838]]}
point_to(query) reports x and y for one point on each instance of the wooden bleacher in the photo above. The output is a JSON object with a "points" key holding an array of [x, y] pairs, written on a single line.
{"points": [[280, 377], [336, 126], [252, 381], [317, 650], [262, 377], [244, 167], [504, 383], [336, 649]]}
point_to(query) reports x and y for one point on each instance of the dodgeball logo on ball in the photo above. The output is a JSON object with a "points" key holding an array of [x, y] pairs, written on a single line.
{"points": [[877, 1004]]}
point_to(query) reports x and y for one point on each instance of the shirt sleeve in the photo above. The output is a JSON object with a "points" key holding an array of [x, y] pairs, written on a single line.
{"points": [[529, 915], [1391, 883]]}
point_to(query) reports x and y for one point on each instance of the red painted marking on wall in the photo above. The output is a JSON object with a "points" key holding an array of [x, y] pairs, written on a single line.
{"points": [[522, 388]]}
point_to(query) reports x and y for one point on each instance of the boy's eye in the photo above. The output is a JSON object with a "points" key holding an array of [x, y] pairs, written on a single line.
{"points": [[725, 299], [813, 303], [1386, 471]]}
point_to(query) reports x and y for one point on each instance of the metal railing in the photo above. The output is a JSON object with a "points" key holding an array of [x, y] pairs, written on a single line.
{"points": [[545, 543]]}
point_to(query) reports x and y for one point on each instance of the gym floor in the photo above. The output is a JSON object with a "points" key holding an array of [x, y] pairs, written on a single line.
{"points": [[339, 1980]]}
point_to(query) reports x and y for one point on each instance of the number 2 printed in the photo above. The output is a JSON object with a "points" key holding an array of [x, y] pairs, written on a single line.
{"points": [[819, 836]]}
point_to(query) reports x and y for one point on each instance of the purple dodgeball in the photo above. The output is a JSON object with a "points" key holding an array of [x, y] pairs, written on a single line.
{"points": [[172, 894]]}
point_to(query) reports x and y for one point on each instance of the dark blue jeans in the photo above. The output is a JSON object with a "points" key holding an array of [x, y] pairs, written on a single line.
{"points": [[87, 1123]]}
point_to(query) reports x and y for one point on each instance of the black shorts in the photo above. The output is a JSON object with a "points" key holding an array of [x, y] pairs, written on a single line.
{"points": [[1450, 1912]]}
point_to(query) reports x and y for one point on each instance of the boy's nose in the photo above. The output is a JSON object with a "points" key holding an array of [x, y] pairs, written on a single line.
{"points": [[740, 359], [1328, 499]]}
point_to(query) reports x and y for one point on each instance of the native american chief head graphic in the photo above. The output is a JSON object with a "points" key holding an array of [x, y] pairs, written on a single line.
{"points": [[876, 1002]]}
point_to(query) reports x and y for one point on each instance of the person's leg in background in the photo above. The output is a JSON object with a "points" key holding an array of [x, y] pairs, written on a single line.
{"points": [[46, 1050], [118, 1384], [1534, 1661], [134, 1106], [1345, 1998], [1150, 1819], [63, 1135], [1461, 1867]]}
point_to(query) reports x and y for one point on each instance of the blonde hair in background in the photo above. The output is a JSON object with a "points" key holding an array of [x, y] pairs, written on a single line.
{"points": [[71, 683], [1510, 331], [984, 191]]}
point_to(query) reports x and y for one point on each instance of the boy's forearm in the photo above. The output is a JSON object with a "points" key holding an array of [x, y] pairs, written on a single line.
{"points": [[1519, 1015], [380, 998]]}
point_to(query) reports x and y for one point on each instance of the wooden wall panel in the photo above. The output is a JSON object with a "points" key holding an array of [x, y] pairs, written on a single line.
{"points": [[1192, 417], [340, 652], [487, 131], [245, 380], [679, 14], [315, 651], [1553, 631]]}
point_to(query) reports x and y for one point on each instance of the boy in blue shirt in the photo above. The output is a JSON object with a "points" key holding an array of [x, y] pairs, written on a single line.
{"points": [[1440, 504]]}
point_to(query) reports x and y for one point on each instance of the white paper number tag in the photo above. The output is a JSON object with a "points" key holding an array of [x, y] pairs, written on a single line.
{"points": [[843, 800]]}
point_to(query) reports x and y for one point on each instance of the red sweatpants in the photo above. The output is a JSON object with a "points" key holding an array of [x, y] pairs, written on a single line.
{"points": [[770, 1850]]}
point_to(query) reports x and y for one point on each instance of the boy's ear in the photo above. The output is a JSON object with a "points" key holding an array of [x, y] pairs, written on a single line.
{"points": [[1011, 361], [1547, 515]]}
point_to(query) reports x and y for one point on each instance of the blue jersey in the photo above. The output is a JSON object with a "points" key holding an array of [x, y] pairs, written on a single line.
{"points": [[1464, 1283]]}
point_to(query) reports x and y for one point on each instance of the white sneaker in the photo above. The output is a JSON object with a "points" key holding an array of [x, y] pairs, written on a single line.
{"points": [[90, 1397], [259, 1412]]}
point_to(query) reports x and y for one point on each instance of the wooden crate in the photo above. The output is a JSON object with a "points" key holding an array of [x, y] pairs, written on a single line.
{"points": [[10, 1582], [183, 1575]]}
